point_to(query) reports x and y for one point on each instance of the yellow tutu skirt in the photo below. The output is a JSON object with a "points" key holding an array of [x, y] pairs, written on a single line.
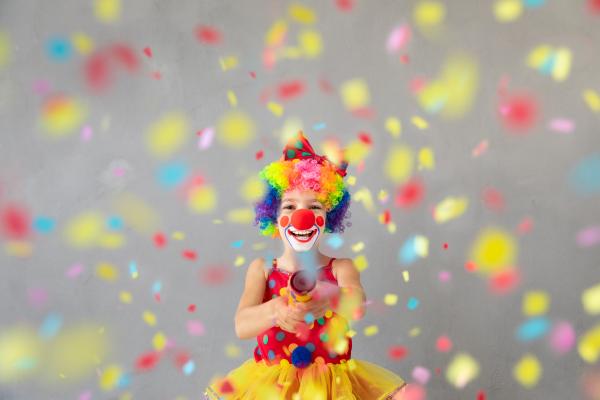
{"points": [[352, 380]]}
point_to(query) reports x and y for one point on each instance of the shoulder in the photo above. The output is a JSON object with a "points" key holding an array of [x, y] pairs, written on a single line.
{"points": [[258, 267], [342, 265]]}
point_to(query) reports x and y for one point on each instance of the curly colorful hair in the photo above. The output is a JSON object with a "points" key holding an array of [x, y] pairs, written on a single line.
{"points": [[303, 174]]}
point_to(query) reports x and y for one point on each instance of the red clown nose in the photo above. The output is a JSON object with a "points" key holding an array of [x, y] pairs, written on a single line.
{"points": [[303, 219]]}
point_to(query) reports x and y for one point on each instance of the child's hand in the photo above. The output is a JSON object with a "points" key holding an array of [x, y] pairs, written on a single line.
{"points": [[286, 317]]}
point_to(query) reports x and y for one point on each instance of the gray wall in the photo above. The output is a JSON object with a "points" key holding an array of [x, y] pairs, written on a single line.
{"points": [[59, 178]]}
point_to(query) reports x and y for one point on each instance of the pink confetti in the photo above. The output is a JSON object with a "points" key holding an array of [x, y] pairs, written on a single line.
{"points": [[206, 138], [588, 237], [562, 338], [561, 125], [398, 38], [195, 328], [74, 271], [86, 133], [41, 87], [444, 276], [480, 149], [87, 395], [421, 375], [37, 297]]}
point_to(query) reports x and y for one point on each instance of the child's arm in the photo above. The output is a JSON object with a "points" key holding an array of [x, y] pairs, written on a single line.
{"points": [[253, 316], [348, 276]]}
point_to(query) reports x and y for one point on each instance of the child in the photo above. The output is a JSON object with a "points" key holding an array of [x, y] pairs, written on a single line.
{"points": [[303, 351]]}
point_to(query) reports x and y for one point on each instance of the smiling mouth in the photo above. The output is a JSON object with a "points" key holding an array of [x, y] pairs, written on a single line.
{"points": [[303, 236]]}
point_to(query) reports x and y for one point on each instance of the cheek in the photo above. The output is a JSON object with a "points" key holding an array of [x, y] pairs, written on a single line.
{"points": [[320, 221], [284, 221]]}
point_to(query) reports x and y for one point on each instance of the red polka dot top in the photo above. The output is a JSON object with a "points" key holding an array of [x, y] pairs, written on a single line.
{"points": [[276, 344]]}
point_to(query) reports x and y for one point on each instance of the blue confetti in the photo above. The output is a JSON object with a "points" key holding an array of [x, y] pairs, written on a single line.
{"points": [[335, 241], [412, 303], [533, 3], [172, 174], [115, 223], [51, 325], [44, 224], [133, 269], [59, 49], [407, 253], [237, 244], [156, 287], [533, 329], [189, 367], [319, 126], [585, 177]]}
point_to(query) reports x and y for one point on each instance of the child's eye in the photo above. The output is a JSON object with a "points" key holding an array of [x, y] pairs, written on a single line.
{"points": [[288, 207], [317, 207]]}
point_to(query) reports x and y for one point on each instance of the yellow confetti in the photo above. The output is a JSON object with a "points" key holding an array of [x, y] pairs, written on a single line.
{"points": [[167, 135], [62, 115], [111, 240], [310, 43], [202, 199], [107, 10], [426, 159], [107, 271], [84, 230], [232, 98], [361, 262], [461, 370], [125, 297], [391, 227], [450, 208], [302, 14], [19, 346], [228, 63], [232, 351], [4, 49], [589, 345], [253, 189], [558, 59], [527, 371], [383, 196], [405, 275], [535, 303], [82, 43], [590, 298], [239, 261], [136, 213], [159, 340], [275, 108], [356, 151], [363, 196], [350, 180], [149, 318], [429, 15], [398, 164], [371, 330], [355, 93], [390, 299], [493, 250], [592, 99], [241, 215], [419, 122], [414, 332], [357, 247], [507, 10], [18, 248], [178, 235], [235, 129], [276, 34], [393, 126], [109, 379]]}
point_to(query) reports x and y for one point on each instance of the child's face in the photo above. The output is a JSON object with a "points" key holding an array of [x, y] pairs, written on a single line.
{"points": [[300, 211]]}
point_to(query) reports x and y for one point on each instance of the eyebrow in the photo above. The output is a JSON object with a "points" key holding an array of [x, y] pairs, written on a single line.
{"points": [[293, 199]]}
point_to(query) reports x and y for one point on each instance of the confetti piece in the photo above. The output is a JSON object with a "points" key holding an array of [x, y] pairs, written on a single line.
{"points": [[584, 178], [159, 341], [241, 215], [370, 330], [159, 239], [310, 43], [527, 371], [390, 299], [535, 303], [398, 38], [461, 370], [493, 250], [189, 254], [59, 49], [107, 11], [228, 63], [205, 139], [519, 112], [414, 247], [355, 93], [149, 318], [562, 338], [507, 10], [16, 222], [253, 189], [426, 159], [592, 99], [50, 326], [172, 174], [394, 126], [195, 328], [450, 208], [61, 115], [74, 271], [335, 241], [361, 262], [107, 271], [5, 52], [588, 237], [429, 15], [412, 303], [167, 135], [551, 61], [443, 344], [136, 213], [561, 125], [147, 361], [589, 345], [398, 165], [590, 299], [480, 149], [275, 108], [235, 129], [409, 194], [344, 5], [208, 35], [125, 297], [110, 377], [532, 329]]}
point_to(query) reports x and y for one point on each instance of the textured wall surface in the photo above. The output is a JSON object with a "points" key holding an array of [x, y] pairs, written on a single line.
{"points": [[131, 137]]}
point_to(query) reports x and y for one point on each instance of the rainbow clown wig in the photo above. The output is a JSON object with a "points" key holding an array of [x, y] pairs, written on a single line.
{"points": [[300, 168]]}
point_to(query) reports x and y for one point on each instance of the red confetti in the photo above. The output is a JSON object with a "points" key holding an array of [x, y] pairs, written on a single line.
{"points": [[504, 281], [159, 240], [493, 199], [594, 6], [259, 154], [325, 86], [344, 5], [365, 138], [97, 74], [148, 52], [417, 84], [157, 297], [289, 90], [525, 226], [397, 352], [387, 217], [443, 344], [364, 112], [445, 246], [409, 194], [208, 35], [519, 112], [470, 266], [214, 274], [404, 59], [191, 308], [181, 358], [15, 222], [157, 75], [226, 387], [481, 395], [125, 56], [147, 361], [189, 254], [253, 74]]}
